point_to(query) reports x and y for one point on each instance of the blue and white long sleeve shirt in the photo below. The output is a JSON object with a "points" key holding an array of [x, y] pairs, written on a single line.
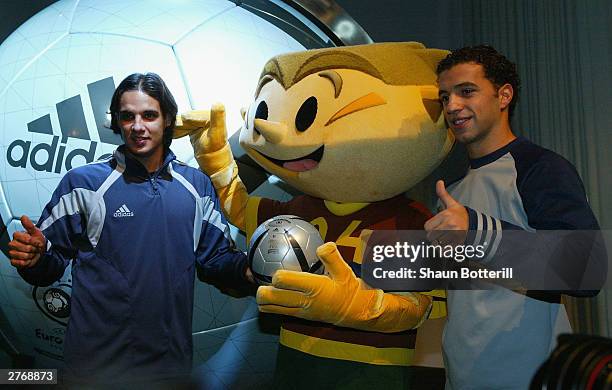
{"points": [[134, 239], [498, 338]]}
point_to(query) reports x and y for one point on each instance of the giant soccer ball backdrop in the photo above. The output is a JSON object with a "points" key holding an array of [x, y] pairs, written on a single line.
{"points": [[57, 73]]}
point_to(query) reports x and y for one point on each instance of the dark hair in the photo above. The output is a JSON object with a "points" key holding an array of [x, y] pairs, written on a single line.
{"points": [[154, 86], [497, 68]]}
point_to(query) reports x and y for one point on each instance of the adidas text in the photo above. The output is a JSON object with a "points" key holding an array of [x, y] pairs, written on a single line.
{"points": [[123, 211]]}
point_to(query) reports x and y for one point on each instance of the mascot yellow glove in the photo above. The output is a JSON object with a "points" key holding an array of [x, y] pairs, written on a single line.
{"points": [[208, 135], [341, 299]]}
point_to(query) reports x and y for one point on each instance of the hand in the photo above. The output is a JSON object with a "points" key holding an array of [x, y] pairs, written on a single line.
{"points": [[248, 275], [448, 227], [191, 122], [26, 247], [209, 124], [208, 135], [216, 137], [341, 299]]}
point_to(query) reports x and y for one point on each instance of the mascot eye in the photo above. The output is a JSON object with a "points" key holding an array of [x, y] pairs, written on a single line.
{"points": [[306, 114], [262, 111]]}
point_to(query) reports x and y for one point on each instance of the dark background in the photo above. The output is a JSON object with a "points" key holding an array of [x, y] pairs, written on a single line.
{"points": [[14, 12]]}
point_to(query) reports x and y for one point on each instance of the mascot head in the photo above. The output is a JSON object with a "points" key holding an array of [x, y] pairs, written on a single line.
{"points": [[349, 124]]}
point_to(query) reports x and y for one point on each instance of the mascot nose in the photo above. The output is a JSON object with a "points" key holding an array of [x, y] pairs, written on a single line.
{"points": [[273, 132]]}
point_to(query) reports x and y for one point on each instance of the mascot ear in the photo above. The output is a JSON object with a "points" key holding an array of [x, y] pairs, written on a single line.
{"points": [[432, 56], [429, 95]]}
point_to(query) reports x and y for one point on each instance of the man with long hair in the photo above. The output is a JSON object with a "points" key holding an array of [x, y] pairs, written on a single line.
{"points": [[134, 226]]}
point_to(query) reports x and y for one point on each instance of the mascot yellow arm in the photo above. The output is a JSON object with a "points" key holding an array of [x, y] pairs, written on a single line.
{"points": [[341, 298], [208, 136]]}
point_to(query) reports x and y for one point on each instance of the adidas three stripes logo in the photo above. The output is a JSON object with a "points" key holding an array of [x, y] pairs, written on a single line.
{"points": [[123, 211]]}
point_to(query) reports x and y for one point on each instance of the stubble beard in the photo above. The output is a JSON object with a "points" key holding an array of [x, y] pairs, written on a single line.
{"points": [[474, 138]]}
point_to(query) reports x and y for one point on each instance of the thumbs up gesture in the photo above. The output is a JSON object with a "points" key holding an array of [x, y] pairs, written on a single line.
{"points": [[208, 135], [26, 247], [451, 224]]}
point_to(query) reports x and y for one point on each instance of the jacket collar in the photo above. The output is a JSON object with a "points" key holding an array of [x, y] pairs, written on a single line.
{"points": [[494, 156], [133, 167]]}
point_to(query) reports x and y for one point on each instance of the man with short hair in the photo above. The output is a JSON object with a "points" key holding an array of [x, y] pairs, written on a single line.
{"points": [[135, 226], [497, 338]]}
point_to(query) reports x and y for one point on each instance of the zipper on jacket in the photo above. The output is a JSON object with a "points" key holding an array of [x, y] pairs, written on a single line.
{"points": [[154, 184]]}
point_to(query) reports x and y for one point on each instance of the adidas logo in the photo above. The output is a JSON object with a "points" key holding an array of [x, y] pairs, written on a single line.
{"points": [[123, 211], [58, 154]]}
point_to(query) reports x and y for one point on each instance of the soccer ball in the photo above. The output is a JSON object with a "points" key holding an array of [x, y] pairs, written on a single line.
{"points": [[284, 242], [57, 74]]}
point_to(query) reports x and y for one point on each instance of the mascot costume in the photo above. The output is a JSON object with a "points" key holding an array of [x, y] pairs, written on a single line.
{"points": [[353, 128]]}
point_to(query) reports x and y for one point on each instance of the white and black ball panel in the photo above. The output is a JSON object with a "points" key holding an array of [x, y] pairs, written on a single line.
{"points": [[284, 242], [276, 249], [312, 241]]}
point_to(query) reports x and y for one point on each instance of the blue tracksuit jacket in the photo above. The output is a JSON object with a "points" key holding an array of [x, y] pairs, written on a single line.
{"points": [[134, 239]]}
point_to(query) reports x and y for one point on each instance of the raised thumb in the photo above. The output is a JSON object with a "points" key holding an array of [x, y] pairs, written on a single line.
{"points": [[28, 225], [38, 239], [446, 198]]}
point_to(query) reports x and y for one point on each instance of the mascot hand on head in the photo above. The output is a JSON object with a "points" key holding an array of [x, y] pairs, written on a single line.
{"points": [[353, 128]]}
